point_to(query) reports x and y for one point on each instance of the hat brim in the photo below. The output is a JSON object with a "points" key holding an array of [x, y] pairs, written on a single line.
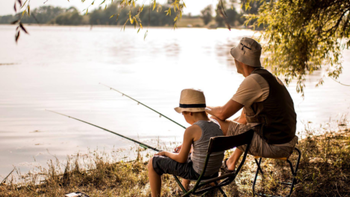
{"points": [[180, 109]]}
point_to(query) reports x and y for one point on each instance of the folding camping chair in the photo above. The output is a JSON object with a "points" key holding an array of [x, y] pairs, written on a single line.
{"points": [[217, 144], [293, 172]]}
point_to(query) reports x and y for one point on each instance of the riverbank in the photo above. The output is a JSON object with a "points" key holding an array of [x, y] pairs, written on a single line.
{"points": [[324, 170]]}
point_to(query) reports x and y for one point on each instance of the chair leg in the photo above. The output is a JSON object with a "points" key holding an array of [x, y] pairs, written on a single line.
{"points": [[222, 191], [294, 171], [259, 168], [256, 174], [180, 184]]}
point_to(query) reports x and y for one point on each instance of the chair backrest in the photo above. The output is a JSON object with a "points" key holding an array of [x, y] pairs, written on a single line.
{"points": [[222, 143]]}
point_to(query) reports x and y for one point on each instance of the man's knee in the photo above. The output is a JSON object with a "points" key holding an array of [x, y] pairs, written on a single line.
{"points": [[224, 124]]}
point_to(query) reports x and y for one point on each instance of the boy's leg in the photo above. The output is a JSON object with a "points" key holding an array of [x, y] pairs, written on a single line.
{"points": [[185, 183], [154, 179]]}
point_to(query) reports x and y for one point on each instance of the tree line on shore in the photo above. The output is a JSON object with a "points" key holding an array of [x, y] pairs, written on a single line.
{"points": [[115, 15]]}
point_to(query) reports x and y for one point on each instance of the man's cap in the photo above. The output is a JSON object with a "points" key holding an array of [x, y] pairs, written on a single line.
{"points": [[191, 100], [248, 51]]}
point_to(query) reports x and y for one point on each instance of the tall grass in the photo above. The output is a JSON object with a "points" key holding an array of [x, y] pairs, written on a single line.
{"points": [[324, 170]]}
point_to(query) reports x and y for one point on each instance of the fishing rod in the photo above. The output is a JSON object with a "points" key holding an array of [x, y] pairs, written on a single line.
{"points": [[138, 102], [3, 181], [140, 143]]}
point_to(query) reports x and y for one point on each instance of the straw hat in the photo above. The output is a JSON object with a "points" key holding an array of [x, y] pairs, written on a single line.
{"points": [[248, 51], [191, 101]]}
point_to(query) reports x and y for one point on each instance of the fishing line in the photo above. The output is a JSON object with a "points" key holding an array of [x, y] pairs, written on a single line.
{"points": [[138, 102], [140, 143]]}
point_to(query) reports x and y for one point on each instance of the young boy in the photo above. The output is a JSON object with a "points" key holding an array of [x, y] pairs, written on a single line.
{"points": [[192, 106]]}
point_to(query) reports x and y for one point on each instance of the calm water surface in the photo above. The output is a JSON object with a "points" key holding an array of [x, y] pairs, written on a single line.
{"points": [[60, 68]]}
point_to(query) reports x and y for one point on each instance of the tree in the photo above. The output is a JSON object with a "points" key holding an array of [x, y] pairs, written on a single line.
{"points": [[302, 36], [220, 13], [207, 14], [70, 17], [173, 9], [226, 14]]}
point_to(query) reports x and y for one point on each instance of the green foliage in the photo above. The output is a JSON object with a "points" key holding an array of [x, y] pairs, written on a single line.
{"points": [[302, 36], [70, 17], [113, 15], [7, 19], [42, 15], [226, 15], [207, 14]]}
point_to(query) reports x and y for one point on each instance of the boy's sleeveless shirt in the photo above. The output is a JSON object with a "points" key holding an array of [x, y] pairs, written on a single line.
{"points": [[200, 147]]}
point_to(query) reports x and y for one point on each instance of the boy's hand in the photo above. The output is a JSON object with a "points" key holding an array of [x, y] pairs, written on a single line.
{"points": [[162, 153], [177, 149]]}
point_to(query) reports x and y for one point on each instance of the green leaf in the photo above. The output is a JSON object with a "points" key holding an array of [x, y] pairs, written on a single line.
{"points": [[145, 35], [24, 4], [22, 27], [17, 36], [111, 16], [14, 22]]}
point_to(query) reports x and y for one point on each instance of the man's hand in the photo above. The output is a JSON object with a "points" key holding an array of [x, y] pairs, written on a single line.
{"points": [[226, 111]]}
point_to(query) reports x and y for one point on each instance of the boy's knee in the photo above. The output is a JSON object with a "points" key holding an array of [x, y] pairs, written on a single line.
{"points": [[150, 164]]}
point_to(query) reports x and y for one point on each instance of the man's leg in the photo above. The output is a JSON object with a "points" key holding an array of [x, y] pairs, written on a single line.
{"points": [[223, 124], [154, 179], [231, 162]]}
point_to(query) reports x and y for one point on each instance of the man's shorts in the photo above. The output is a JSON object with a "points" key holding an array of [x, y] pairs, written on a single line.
{"points": [[166, 165], [259, 146]]}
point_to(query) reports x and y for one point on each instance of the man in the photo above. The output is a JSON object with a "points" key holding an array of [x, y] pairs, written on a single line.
{"points": [[196, 137], [267, 108]]}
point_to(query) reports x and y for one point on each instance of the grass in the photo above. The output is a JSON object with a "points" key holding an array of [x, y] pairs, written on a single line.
{"points": [[324, 170]]}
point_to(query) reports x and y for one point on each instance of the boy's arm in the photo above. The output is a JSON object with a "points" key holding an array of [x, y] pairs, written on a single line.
{"points": [[190, 134]]}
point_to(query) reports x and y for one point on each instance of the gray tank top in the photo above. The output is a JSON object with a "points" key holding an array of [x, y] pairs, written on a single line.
{"points": [[200, 147]]}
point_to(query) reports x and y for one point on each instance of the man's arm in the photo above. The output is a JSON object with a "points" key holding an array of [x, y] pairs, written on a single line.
{"points": [[191, 134], [226, 111]]}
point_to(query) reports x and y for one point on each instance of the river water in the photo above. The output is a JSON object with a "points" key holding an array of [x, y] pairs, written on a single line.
{"points": [[60, 68]]}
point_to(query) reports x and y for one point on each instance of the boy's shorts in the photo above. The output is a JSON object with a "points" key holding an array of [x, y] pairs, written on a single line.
{"points": [[166, 165], [259, 146]]}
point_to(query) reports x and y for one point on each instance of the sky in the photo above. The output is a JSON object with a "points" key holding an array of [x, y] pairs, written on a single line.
{"points": [[6, 6]]}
